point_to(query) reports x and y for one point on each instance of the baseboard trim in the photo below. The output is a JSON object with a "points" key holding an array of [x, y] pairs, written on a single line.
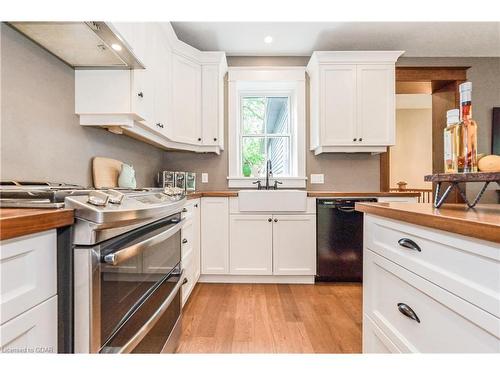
{"points": [[257, 279]]}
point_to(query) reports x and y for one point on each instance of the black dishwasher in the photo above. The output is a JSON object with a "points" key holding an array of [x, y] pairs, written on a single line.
{"points": [[339, 240]]}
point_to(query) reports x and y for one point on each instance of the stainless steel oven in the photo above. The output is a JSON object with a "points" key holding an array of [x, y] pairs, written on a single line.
{"points": [[128, 290]]}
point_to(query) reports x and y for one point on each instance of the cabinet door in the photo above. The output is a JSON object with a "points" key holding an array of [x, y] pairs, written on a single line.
{"points": [[251, 244], [186, 100], [34, 331], [142, 95], [338, 104], [28, 272], [214, 236], [294, 244], [376, 110], [196, 241], [162, 84], [210, 104]]}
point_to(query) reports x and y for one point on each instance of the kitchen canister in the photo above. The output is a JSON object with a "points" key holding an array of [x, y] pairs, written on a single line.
{"points": [[190, 181], [180, 180]]}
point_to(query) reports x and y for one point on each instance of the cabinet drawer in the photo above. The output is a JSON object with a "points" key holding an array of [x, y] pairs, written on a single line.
{"points": [[28, 271], [375, 340], [467, 268], [189, 209], [187, 237], [443, 322], [34, 331], [189, 274]]}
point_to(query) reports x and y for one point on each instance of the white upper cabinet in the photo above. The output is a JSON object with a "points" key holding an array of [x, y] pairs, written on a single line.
{"points": [[187, 100], [176, 102], [376, 104], [352, 100], [338, 98]]}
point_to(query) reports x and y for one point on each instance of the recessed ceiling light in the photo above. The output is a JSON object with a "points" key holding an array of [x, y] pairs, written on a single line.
{"points": [[116, 47], [268, 39]]}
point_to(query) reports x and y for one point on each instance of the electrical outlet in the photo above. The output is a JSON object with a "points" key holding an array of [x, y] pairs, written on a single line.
{"points": [[317, 178], [204, 178]]}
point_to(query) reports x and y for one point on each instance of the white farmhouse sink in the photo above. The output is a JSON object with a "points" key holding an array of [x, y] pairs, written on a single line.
{"points": [[272, 200]]}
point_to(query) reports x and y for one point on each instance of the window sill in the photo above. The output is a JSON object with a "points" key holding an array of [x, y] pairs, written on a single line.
{"points": [[248, 182]]}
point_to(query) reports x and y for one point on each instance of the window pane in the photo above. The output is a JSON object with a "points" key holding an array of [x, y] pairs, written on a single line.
{"points": [[253, 154], [277, 115], [253, 114], [278, 151]]}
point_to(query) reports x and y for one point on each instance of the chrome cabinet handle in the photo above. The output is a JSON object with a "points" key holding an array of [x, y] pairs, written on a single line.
{"points": [[122, 255], [408, 312], [144, 330], [409, 244]]}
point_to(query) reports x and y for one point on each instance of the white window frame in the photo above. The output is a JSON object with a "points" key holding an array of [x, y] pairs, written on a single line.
{"points": [[290, 135], [267, 81]]}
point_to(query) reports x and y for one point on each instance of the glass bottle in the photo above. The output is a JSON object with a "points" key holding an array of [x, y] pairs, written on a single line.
{"points": [[451, 141], [467, 161]]}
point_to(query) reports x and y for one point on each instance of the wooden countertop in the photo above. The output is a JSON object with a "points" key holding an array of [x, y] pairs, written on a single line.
{"points": [[334, 194], [310, 193], [15, 222], [481, 222]]}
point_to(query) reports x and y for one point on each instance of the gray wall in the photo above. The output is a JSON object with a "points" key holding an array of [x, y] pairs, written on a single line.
{"points": [[41, 138]]}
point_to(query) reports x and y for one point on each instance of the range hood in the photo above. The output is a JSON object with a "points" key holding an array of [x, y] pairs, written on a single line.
{"points": [[82, 45]]}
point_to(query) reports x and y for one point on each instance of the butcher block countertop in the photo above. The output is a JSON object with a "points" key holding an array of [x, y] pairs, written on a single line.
{"points": [[310, 193], [481, 222], [16, 222]]}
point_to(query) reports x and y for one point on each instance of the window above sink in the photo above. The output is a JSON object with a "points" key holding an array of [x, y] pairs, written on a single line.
{"points": [[267, 122]]}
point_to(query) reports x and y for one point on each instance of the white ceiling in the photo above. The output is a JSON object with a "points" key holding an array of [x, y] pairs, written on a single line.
{"points": [[419, 39]]}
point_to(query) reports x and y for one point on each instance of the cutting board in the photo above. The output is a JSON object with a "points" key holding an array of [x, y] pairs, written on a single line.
{"points": [[105, 172]]}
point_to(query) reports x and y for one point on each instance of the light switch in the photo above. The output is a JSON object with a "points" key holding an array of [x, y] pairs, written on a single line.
{"points": [[317, 178], [204, 178]]}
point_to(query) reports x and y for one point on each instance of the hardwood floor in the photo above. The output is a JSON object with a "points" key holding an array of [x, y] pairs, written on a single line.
{"points": [[273, 318]]}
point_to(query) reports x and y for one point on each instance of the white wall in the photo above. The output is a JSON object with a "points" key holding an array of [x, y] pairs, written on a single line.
{"points": [[411, 157]]}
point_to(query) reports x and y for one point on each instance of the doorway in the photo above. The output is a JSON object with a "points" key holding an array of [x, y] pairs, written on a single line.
{"points": [[441, 84]]}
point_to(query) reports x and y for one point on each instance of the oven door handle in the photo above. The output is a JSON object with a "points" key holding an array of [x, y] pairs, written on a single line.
{"points": [[144, 330], [122, 255]]}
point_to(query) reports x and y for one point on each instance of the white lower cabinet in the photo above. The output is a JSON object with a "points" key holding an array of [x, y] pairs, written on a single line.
{"points": [[190, 248], [294, 244], [251, 244], [34, 331], [28, 293], [215, 236], [414, 302], [272, 244]]}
